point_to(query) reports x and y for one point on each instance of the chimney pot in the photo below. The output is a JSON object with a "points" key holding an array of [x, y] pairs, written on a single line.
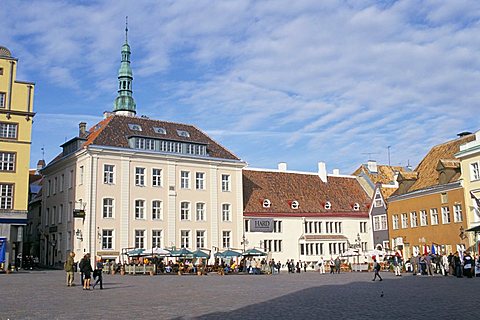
{"points": [[372, 166], [336, 172], [282, 166], [82, 128]]}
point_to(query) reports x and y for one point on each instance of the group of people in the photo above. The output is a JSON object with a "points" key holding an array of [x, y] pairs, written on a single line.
{"points": [[86, 271], [458, 264]]}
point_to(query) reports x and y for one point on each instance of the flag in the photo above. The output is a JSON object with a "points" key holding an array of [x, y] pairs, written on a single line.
{"points": [[433, 249]]}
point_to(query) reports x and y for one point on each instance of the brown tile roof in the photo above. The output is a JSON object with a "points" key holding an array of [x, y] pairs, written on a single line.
{"points": [[385, 174], [387, 192], [427, 168], [114, 131], [308, 189]]}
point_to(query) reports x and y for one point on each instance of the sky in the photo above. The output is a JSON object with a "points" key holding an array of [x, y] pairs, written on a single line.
{"points": [[272, 81]]}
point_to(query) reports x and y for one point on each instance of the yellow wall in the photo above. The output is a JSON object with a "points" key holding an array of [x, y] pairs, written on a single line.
{"points": [[21, 112], [441, 234]]}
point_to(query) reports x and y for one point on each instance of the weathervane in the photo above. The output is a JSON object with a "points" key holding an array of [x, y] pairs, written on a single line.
{"points": [[126, 28]]}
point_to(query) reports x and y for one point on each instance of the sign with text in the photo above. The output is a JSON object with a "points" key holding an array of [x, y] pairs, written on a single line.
{"points": [[261, 225]]}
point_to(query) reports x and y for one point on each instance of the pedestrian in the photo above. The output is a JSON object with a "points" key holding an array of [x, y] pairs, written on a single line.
{"points": [[80, 268], [376, 270], [458, 265], [321, 266], [444, 265], [98, 273], [304, 267], [428, 260], [69, 269], [397, 264], [337, 265], [332, 265], [87, 272], [298, 267], [467, 264]]}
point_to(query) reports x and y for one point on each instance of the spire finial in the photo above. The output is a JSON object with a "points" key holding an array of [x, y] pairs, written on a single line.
{"points": [[126, 28]]}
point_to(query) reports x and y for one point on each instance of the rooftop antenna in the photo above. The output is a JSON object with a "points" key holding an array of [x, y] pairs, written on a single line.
{"points": [[43, 153], [369, 154], [126, 28]]}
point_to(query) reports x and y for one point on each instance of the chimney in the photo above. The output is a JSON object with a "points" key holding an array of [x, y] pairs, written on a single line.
{"points": [[322, 171], [372, 166], [40, 165], [82, 128], [336, 172], [282, 166]]}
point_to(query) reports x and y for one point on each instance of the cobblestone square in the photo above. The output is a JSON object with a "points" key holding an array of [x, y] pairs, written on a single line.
{"points": [[43, 295]]}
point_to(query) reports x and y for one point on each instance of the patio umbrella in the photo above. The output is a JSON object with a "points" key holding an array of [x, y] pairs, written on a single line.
{"points": [[135, 252], [227, 254], [200, 254], [254, 252], [158, 252], [183, 253], [350, 253]]}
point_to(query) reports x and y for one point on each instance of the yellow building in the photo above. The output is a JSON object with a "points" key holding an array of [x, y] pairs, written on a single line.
{"points": [[16, 113], [469, 156]]}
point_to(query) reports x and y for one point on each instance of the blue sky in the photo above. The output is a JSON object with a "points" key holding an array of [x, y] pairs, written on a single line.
{"points": [[273, 81]]}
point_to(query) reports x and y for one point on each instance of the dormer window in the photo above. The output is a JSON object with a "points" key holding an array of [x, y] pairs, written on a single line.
{"points": [[134, 127], [159, 130], [267, 203], [356, 207], [183, 133], [294, 205], [328, 205]]}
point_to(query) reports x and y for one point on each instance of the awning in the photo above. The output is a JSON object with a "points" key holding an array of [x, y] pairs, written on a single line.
{"points": [[474, 229]]}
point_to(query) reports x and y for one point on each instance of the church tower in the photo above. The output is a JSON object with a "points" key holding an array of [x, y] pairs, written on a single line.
{"points": [[124, 103]]}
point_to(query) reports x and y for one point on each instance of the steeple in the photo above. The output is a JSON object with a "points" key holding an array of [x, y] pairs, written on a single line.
{"points": [[124, 103]]}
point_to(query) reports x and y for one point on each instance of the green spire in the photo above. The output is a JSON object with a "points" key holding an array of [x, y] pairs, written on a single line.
{"points": [[124, 101]]}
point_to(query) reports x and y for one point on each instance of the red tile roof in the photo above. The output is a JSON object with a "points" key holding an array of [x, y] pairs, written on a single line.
{"points": [[281, 188]]}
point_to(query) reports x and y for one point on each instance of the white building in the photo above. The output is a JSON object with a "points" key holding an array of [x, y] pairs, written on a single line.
{"points": [[133, 182], [313, 214]]}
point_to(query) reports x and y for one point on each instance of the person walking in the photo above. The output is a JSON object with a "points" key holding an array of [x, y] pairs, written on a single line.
{"points": [[397, 264], [321, 266], [337, 265], [69, 269], [467, 265], [98, 273], [332, 265], [80, 268], [458, 265], [87, 272], [376, 270]]}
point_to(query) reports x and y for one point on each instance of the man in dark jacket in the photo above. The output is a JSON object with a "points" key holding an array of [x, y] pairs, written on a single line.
{"points": [[80, 267]]}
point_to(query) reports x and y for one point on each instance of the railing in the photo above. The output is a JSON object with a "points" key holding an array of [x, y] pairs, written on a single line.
{"points": [[141, 269]]}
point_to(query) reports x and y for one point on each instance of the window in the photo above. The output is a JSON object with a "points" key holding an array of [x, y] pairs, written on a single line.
{"points": [[226, 239], [70, 179], [108, 208], [55, 184], [8, 130], [135, 127], [225, 182], [185, 238], [247, 225], [475, 171], [156, 177], [159, 130], [6, 196], [183, 133], [140, 177], [277, 226], [226, 212], [423, 218], [47, 215], [156, 210], [108, 173], [413, 219], [444, 198], [267, 203], [139, 239], [60, 213], [81, 175], [107, 239], [139, 209], [62, 182], [200, 239], [156, 238], [185, 180], [54, 215], [200, 211], [434, 216], [404, 221], [395, 222], [294, 205], [185, 210], [7, 161], [149, 144], [457, 213], [328, 205], [139, 143], [2, 96], [356, 207], [446, 215], [70, 211], [363, 227], [376, 223], [200, 181]]}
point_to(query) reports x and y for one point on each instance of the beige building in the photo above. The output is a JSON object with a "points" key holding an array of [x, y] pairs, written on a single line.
{"points": [[469, 156], [133, 182]]}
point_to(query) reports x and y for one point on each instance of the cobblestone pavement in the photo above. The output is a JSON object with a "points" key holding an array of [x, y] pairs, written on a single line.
{"points": [[43, 295]]}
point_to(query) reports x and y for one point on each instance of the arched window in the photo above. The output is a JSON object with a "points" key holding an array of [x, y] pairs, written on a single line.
{"points": [[267, 203], [356, 207], [328, 205], [294, 204]]}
